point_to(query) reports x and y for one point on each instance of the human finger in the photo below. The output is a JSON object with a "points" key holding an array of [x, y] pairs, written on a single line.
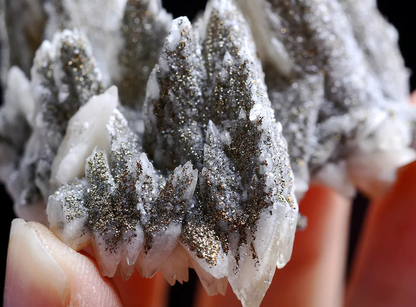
{"points": [[384, 273], [42, 271]]}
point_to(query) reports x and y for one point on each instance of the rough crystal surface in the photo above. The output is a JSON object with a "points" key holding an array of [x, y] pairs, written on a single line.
{"points": [[335, 79], [168, 145]]}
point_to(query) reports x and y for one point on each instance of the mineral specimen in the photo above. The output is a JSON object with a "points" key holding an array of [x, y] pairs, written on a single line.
{"points": [[168, 145], [339, 86], [230, 206], [63, 79]]}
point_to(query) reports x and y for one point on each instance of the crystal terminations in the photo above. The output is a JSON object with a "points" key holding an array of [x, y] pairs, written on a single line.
{"points": [[187, 161]]}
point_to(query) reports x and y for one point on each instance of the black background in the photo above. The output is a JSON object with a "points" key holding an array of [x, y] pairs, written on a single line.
{"points": [[398, 12]]}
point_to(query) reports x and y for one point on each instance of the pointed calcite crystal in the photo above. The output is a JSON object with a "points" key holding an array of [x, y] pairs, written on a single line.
{"points": [[168, 145], [63, 78], [207, 103]]}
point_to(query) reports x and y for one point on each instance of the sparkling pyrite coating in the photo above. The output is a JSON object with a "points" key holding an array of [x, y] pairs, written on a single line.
{"points": [[337, 81], [127, 207], [64, 78], [168, 145], [223, 205], [145, 26]]}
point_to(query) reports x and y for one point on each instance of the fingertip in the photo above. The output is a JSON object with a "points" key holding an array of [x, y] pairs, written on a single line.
{"points": [[42, 271], [406, 176], [33, 278], [328, 213], [384, 271]]}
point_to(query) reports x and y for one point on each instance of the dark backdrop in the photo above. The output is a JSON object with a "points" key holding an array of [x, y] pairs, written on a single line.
{"points": [[398, 12]]}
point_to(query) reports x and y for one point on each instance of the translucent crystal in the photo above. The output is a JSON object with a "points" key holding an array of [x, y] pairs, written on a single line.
{"points": [[63, 79], [235, 219], [168, 145], [193, 90]]}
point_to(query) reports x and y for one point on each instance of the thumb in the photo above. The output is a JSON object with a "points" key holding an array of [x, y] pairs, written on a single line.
{"points": [[42, 271]]}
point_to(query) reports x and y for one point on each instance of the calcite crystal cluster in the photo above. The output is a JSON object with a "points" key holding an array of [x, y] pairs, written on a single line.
{"points": [[166, 144], [339, 87]]}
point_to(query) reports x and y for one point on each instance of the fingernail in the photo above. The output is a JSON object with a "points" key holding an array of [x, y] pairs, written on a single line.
{"points": [[33, 277]]}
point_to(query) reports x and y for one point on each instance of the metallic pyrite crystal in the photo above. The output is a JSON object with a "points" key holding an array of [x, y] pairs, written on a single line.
{"points": [[168, 145]]}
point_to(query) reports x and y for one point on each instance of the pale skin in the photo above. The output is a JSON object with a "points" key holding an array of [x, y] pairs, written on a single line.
{"points": [[42, 271]]}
